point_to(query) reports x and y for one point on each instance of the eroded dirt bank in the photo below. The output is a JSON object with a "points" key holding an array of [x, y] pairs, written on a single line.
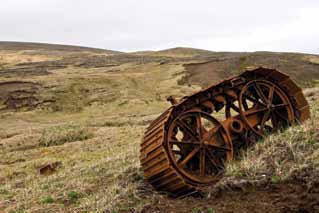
{"points": [[299, 194]]}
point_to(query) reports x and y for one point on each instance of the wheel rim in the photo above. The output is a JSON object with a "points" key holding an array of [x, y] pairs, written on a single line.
{"points": [[199, 146], [266, 102]]}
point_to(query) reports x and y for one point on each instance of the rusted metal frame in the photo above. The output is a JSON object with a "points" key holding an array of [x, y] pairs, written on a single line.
{"points": [[255, 115]]}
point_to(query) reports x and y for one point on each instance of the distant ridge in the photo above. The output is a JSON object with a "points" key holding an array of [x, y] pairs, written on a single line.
{"points": [[13, 45], [185, 50], [175, 52]]}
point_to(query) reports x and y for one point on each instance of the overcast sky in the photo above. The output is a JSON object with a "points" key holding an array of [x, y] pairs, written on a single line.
{"points": [[130, 25]]}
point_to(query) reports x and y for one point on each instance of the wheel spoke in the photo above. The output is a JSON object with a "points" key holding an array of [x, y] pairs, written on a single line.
{"points": [[219, 147], [188, 130], [210, 134], [204, 131], [199, 125], [254, 111], [271, 94], [214, 161], [260, 93], [279, 106], [184, 142], [234, 107], [252, 99], [189, 156], [280, 115], [202, 162], [264, 120], [227, 110]]}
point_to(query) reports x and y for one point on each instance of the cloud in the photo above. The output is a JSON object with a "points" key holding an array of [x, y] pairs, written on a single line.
{"points": [[298, 35], [130, 25]]}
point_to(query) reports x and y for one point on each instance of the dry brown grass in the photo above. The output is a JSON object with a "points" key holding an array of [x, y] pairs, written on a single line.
{"points": [[94, 135], [14, 57], [93, 130]]}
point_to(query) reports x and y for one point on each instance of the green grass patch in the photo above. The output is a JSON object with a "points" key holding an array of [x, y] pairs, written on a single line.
{"points": [[73, 196], [18, 211], [275, 179], [6, 194], [59, 135], [202, 210], [48, 200]]}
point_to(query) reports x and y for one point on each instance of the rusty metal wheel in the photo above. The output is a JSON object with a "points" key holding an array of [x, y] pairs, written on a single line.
{"points": [[198, 146], [264, 107], [186, 148]]}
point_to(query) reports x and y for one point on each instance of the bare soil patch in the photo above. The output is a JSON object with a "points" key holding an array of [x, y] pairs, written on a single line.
{"points": [[241, 195]]}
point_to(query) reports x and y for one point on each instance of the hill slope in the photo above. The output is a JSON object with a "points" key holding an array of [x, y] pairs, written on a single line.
{"points": [[17, 46], [303, 68], [71, 124]]}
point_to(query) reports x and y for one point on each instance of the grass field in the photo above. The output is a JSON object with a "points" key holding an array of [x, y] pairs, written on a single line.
{"points": [[70, 137]]}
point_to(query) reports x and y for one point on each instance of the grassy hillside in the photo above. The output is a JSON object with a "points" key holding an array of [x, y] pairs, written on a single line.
{"points": [[71, 122], [178, 52], [24, 46], [303, 68]]}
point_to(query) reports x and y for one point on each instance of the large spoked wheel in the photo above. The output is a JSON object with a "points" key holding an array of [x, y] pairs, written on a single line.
{"points": [[199, 146], [265, 107]]}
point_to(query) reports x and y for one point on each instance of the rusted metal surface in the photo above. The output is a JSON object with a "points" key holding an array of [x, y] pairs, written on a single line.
{"points": [[186, 148]]}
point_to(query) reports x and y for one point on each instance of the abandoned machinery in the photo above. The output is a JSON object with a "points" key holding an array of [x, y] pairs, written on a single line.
{"points": [[186, 148]]}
